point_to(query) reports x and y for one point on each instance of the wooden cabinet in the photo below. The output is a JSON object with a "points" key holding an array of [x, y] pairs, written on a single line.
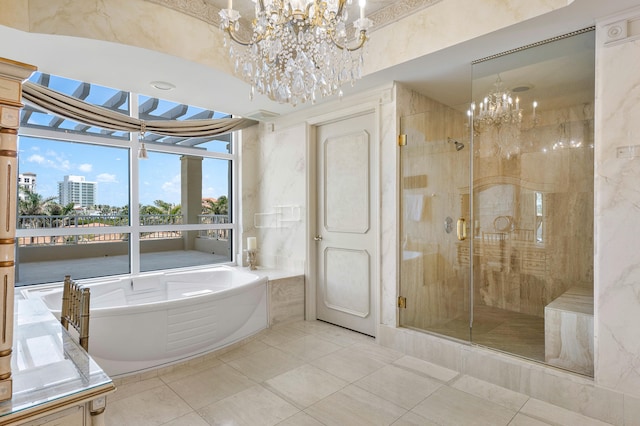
{"points": [[74, 416]]}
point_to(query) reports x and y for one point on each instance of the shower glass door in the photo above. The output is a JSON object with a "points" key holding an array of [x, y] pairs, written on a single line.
{"points": [[497, 206], [435, 236], [533, 202]]}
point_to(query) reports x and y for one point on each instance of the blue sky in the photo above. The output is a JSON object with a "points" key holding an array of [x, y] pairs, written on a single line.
{"points": [[51, 160]]}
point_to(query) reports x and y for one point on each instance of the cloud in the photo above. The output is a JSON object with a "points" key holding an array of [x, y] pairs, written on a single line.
{"points": [[51, 159], [107, 178], [35, 158], [85, 167], [210, 192], [172, 186]]}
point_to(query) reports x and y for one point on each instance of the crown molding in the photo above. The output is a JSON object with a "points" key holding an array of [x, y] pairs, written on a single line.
{"points": [[620, 28], [398, 10], [207, 12], [202, 10]]}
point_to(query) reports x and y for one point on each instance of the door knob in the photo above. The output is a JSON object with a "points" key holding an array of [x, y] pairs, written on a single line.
{"points": [[317, 238]]}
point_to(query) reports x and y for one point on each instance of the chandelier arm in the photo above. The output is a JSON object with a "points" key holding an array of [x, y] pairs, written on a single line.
{"points": [[362, 40], [261, 3], [231, 33]]}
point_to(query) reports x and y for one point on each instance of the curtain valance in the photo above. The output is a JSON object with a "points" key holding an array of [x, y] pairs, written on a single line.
{"points": [[74, 109]]}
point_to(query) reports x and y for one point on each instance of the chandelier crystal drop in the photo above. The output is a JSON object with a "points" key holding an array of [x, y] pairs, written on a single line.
{"points": [[298, 50]]}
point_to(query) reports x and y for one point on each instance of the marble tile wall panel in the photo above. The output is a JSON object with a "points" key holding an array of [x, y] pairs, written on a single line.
{"points": [[249, 155], [568, 340], [275, 175], [569, 246], [391, 337], [566, 181], [568, 331], [433, 349], [286, 300], [617, 259], [388, 211], [574, 393], [499, 369]]}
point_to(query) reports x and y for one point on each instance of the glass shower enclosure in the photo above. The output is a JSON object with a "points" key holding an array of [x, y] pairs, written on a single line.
{"points": [[497, 207]]}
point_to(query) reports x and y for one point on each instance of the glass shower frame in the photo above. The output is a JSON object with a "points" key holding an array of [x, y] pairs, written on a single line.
{"points": [[523, 207]]}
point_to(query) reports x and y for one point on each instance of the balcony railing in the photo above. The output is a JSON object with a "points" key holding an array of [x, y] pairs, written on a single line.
{"points": [[213, 219], [84, 224], [161, 219], [66, 221]]}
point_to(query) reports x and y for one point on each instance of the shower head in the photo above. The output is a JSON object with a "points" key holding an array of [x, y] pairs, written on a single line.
{"points": [[459, 145]]}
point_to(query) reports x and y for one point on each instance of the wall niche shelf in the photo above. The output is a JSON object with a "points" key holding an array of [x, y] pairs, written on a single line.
{"points": [[281, 217]]}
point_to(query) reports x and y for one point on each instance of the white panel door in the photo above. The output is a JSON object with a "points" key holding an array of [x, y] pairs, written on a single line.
{"points": [[345, 234]]}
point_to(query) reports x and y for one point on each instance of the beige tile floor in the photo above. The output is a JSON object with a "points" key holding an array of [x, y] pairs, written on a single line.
{"points": [[311, 373]]}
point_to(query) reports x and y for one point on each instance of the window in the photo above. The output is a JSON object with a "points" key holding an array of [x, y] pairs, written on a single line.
{"points": [[99, 211]]}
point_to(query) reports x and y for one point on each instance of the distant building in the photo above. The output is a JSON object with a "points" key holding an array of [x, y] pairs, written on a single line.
{"points": [[27, 181], [76, 190]]}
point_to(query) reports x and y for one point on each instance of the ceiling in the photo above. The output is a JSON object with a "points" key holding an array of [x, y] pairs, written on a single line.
{"points": [[246, 7], [444, 75]]}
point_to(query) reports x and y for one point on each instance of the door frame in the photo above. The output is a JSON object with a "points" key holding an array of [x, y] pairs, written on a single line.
{"points": [[373, 107]]}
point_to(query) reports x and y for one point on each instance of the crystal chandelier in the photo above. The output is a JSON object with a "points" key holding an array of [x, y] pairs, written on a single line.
{"points": [[500, 117], [298, 49], [496, 109]]}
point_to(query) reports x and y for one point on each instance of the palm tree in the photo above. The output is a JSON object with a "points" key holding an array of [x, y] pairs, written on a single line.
{"points": [[162, 208], [55, 209], [218, 206], [33, 204]]}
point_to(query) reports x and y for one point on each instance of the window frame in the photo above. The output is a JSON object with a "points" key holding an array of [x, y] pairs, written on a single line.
{"points": [[134, 229]]}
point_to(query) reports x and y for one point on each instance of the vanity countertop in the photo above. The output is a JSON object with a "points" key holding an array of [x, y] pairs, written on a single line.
{"points": [[50, 370]]}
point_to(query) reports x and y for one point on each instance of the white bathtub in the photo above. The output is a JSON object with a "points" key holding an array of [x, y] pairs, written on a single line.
{"points": [[144, 322]]}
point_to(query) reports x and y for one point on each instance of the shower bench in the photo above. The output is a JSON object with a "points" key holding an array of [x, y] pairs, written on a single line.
{"points": [[568, 330]]}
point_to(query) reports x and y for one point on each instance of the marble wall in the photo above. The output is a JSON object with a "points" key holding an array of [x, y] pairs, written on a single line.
{"points": [[274, 194], [617, 169], [286, 299], [562, 176]]}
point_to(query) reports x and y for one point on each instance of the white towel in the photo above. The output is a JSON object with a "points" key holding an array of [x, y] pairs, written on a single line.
{"points": [[414, 207]]}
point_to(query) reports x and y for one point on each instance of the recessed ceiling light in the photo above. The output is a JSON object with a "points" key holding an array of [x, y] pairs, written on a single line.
{"points": [[162, 85], [521, 88]]}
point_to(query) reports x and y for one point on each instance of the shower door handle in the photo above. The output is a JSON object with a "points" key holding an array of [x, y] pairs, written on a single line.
{"points": [[461, 229]]}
